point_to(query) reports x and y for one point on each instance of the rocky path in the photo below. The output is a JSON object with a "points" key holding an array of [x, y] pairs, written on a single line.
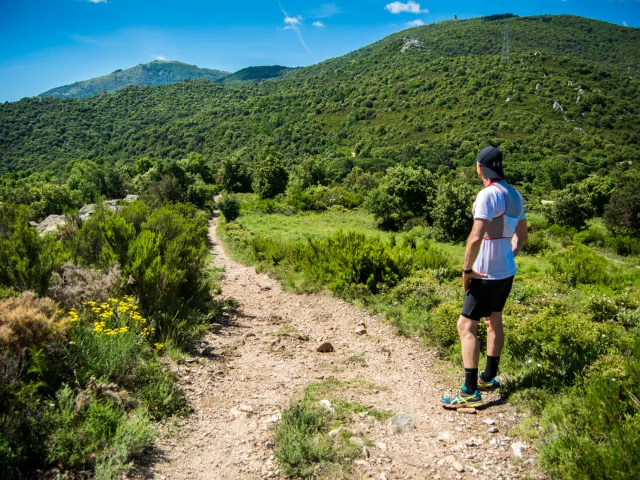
{"points": [[266, 355]]}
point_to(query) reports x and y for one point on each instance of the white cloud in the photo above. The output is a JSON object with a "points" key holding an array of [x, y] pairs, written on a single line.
{"points": [[625, 23], [160, 57], [415, 23], [294, 23], [318, 24], [292, 20], [97, 1], [409, 7]]}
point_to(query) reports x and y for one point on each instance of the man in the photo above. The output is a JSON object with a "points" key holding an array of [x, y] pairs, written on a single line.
{"points": [[498, 234]]}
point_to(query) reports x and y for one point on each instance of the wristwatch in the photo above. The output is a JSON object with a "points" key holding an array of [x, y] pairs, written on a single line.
{"points": [[467, 272]]}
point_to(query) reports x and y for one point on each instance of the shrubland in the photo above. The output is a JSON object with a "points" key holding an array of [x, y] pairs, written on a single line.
{"points": [[83, 380]]}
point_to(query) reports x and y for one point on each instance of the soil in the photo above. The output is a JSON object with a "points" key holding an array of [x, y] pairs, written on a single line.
{"points": [[266, 353]]}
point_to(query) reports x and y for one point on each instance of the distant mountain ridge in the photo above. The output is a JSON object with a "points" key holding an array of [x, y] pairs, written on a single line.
{"points": [[159, 73]]}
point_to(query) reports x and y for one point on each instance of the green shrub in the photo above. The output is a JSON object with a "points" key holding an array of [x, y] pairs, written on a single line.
{"points": [[451, 212], [580, 264], [570, 209], [229, 207], [536, 244], [28, 260], [441, 325], [159, 390], [269, 177], [595, 427]]}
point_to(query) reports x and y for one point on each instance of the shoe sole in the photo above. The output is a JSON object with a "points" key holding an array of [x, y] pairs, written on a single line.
{"points": [[464, 405], [487, 388]]}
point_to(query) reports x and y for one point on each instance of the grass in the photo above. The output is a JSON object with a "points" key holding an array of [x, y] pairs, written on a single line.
{"points": [[303, 446]]}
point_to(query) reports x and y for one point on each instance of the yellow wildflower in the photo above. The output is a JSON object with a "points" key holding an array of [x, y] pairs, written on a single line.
{"points": [[159, 346]]}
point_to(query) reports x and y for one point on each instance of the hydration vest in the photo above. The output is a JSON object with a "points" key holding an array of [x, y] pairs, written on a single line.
{"points": [[504, 226]]}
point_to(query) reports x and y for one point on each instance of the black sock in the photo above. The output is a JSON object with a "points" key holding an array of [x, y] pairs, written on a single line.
{"points": [[491, 370], [471, 380]]}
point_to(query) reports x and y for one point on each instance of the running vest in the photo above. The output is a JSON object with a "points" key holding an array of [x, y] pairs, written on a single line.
{"points": [[504, 225], [503, 206]]}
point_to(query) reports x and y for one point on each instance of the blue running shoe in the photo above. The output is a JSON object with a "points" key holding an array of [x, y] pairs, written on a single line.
{"points": [[462, 399], [483, 386]]}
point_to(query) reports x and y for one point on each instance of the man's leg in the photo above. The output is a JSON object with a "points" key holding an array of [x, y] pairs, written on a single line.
{"points": [[495, 342], [467, 329]]}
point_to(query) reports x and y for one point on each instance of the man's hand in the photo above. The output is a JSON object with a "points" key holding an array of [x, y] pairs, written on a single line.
{"points": [[467, 277]]}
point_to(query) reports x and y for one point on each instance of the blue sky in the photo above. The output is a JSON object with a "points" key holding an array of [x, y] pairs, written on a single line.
{"points": [[48, 43]]}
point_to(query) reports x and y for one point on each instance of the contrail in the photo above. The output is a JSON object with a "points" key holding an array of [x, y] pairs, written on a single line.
{"points": [[293, 23]]}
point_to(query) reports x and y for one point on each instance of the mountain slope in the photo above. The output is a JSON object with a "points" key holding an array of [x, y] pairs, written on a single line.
{"points": [[255, 74], [158, 72], [377, 102]]}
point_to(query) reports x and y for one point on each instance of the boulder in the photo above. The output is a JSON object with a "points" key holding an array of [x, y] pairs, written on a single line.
{"points": [[51, 224], [130, 198], [85, 212], [411, 43], [401, 423]]}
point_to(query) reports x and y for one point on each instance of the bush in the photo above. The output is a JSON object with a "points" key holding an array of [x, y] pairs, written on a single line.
{"points": [[28, 260], [451, 212], [269, 178], [622, 214], [71, 285], [404, 193], [536, 244], [580, 264], [229, 207], [570, 209], [28, 321]]}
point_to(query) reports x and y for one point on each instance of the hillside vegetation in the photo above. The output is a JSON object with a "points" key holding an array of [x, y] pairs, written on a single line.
{"points": [[254, 74], [153, 74], [355, 175]]}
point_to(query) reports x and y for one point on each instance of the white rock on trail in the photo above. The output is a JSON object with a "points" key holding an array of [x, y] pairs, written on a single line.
{"points": [[517, 448], [401, 423]]}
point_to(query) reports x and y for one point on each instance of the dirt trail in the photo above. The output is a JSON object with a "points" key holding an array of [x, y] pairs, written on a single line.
{"points": [[239, 391]]}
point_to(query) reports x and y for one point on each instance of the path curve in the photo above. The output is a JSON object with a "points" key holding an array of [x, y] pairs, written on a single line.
{"points": [[238, 393]]}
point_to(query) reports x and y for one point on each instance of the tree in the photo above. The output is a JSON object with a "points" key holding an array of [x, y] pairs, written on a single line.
{"points": [[622, 213], [451, 213], [269, 178]]}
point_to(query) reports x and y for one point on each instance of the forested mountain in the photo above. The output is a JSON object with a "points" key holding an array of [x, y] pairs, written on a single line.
{"points": [[254, 74], [156, 73], [438, 104]]}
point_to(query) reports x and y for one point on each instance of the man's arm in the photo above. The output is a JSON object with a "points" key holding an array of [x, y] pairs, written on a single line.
{"points": [[474, 242], [519, 237]]}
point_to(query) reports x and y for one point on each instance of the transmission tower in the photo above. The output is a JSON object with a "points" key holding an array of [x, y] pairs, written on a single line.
{"points": [[506, 45]]}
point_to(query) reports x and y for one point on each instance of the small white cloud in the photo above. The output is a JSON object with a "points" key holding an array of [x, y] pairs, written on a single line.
{"points": [[292, 20], [318, 24], [97, 1], [625, 23], [409, 7], [160, 57], [415, 23]]}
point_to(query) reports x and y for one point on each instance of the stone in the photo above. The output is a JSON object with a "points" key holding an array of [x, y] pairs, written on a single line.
{"points": [[381, 445], [517, 448], [493, 430], [445, 437], [361, 463], [269, 445], [474, 442], [557, 106], [51, 224], [130, 198], [579, 99], [538, 86], [326, 404], [365, 452], [509, 99], [457, 466], [246, 409], [326, 347], [490, 421], [411, 43], [111, 205], [401, 423], [383, 476], [250, 334], [206, 351], [85, 212], [360, 330]]}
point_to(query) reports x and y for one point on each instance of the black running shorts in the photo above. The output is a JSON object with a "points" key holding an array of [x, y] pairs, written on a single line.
{"points": [[485, 297]]}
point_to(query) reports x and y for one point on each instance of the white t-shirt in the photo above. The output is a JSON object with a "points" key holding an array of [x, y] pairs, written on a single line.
{"points": [[498, 201]]}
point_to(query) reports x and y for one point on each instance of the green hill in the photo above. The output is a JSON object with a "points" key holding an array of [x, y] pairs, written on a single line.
{"points": [[439, 104], [255, 74], [156, 73]]}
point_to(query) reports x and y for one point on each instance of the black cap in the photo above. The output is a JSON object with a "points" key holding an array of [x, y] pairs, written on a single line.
{"points": [[491, 158]]}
